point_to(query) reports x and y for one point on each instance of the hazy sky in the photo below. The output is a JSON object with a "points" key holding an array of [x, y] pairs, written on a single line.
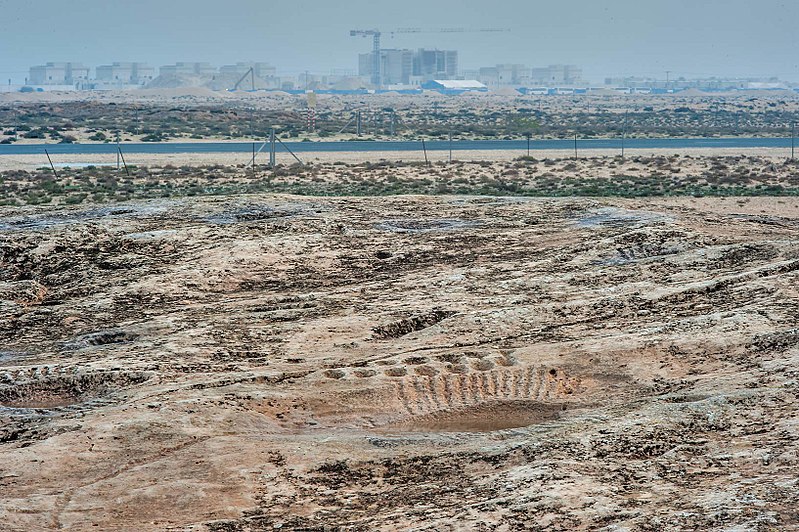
{"points": [[611, 37]]}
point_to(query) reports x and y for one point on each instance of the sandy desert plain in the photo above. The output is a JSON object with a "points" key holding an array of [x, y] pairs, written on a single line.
{"points": [[506, 344]]}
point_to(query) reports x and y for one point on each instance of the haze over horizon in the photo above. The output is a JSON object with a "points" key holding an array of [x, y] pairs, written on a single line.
{"points": [[731, 38]]}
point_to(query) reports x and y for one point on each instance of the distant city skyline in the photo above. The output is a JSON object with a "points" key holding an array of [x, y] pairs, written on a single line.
{"points": [[714, 38], [399, 70]]}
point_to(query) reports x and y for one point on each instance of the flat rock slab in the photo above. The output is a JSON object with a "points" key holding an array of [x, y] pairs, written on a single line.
{"points": [[262, 362]]}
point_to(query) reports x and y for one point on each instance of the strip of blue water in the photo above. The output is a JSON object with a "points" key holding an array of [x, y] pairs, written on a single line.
{"points": [[367, 146]]}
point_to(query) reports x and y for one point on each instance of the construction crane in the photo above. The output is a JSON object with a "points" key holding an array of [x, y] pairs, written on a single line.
{"points": [[250, 72], [377, 34]]}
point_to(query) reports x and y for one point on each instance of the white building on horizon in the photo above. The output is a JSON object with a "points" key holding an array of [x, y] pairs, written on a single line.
{"points": [[125, 73], [59, 74]]}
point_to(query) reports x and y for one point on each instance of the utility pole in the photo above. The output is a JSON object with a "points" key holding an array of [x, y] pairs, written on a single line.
{"points": [[123, 160], [793, 140], [575, 146], [391, 127], [624, 134], [272, 149], [51, 164], [528, 135], [450, 146], [358, 125]]}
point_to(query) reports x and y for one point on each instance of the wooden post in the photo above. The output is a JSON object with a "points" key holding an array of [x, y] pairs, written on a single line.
{"points": [[291, 152], [119, 152], [272, 156], [575, 146], [51, 164], [424, 148], [624, 134], [450, 146]]}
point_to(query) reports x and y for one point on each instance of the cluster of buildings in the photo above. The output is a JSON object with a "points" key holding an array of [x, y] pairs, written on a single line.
{"points": [[643, 84], [77, 76], [408, 67], [397, 69], [515, 75], [59, 74], [125, 73], [401, 70]]}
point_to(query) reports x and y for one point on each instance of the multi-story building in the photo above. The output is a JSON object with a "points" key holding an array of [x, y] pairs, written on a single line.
{"points": [[77, 73], [544, 76], [142, 73], [262, 70], [59, 74], [126, 73], [115, 72], [396, 66], [501, 75], [188, 69], [365, 65], [309, 81], [709, 84], [556, 75], [403, 67], [435, 64], [49, 74], [230, 76]]}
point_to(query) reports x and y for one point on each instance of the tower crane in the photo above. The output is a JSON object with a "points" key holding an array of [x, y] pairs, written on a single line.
{"points": [[377, 34]]}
